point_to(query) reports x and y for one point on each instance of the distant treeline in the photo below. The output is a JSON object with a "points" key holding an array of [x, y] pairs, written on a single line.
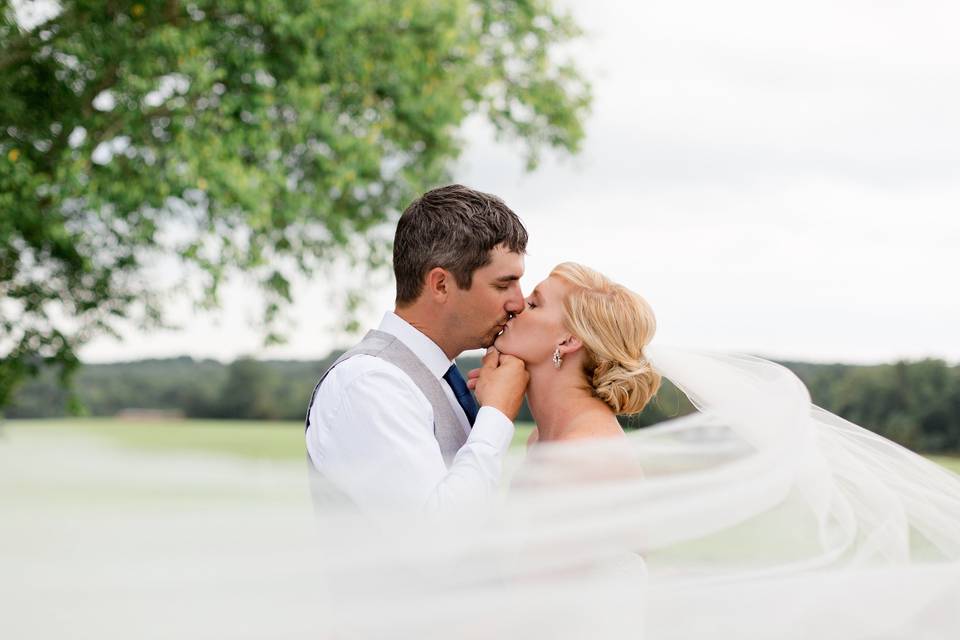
{"points": [[914, 403]]}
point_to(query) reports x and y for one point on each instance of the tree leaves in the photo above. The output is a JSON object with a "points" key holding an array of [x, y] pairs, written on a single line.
{"points": [[269, 138]]}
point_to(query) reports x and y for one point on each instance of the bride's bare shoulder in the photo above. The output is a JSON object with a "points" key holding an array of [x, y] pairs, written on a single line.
{"points": [[579, 458], [590, 430]]}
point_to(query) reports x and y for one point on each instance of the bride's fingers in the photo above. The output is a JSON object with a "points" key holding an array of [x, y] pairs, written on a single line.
{"points": [[472, 383], [473, 373]]}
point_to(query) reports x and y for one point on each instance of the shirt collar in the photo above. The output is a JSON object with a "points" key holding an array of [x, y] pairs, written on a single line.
{"points": [[423, 347]]}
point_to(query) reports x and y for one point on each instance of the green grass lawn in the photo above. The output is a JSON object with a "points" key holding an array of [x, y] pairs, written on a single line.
{"points": [[250, 439], [265, 440], [950, 462], [253, 439]]}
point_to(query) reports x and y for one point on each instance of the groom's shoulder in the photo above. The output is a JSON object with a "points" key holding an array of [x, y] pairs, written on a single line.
{"points": [[363, 368]]}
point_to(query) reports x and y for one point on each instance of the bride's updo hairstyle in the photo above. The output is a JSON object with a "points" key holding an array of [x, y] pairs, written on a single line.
{"points": [[614, 324]]}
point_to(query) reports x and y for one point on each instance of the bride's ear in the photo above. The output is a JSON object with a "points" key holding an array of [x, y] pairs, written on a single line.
{"points": [[571, 344]]}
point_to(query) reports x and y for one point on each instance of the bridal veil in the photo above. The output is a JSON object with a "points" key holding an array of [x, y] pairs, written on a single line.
{"points": [[758, 516]]}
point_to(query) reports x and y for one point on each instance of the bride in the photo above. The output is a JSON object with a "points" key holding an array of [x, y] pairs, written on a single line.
{"points": [[761, 515], [582, 339]]}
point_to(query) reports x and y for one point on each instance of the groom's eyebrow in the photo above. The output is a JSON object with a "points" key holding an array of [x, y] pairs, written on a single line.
{"points": [[508, 278]]}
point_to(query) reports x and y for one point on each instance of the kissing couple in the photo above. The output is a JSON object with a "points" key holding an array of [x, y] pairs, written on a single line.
{"points": [[393, 423], [760, 515]]}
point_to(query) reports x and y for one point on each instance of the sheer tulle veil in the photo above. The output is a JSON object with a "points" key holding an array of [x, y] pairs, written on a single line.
{"points": [[758, 516]]}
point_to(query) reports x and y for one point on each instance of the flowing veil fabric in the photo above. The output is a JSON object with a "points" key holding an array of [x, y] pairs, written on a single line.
{"points": [[759, 516]]}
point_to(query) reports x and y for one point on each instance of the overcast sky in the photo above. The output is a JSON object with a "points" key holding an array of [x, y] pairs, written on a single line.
{"points": [[780, 178]]}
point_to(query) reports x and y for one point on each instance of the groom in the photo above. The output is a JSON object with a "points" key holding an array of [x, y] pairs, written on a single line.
{"points": [[391, 422]]}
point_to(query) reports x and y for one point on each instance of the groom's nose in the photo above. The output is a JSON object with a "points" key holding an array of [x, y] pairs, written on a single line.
{"points": [[515, 305]]}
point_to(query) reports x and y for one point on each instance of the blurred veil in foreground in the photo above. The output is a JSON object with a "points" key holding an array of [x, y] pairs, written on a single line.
{"points": [[760, 516]]}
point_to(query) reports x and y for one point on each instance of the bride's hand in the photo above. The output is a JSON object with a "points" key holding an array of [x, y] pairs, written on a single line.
{"points": [[500, 382]]}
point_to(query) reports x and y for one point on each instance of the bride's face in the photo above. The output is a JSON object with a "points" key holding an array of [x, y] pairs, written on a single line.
{"points": [[534, 334]]}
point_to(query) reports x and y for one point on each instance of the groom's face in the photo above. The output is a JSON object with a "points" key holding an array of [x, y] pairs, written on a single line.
{"points": [[493, 297]]}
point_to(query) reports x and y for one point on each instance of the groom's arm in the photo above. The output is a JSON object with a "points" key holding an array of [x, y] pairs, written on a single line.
{"points": [[475, 471], [372, 435]]}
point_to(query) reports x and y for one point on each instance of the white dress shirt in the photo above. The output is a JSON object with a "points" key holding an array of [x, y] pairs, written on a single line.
{"points": [[371, 433]]}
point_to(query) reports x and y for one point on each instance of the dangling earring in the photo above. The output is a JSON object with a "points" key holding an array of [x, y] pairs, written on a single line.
{"points": [[557, 359]]}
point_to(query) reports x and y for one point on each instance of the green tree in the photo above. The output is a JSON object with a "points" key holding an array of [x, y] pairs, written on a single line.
{"points": [[270, 138], [250, 391]]}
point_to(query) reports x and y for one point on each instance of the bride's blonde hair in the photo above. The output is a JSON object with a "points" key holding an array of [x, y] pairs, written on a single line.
{"points": [[614, 324]]}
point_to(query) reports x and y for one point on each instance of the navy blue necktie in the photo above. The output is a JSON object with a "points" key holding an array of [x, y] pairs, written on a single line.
{"points": [[460, 390]]}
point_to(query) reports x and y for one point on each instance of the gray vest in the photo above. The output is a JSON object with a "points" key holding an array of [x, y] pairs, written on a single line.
{"points": [[446, 426]]}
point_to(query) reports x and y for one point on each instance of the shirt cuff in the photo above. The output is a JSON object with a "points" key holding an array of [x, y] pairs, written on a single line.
{"points": [[493, 428]]}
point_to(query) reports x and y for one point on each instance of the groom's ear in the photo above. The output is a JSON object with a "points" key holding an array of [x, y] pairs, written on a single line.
{"points": [[438, 284]]}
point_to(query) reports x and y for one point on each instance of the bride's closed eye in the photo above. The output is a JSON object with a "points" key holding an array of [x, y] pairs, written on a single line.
{"points": [[531, 305]]}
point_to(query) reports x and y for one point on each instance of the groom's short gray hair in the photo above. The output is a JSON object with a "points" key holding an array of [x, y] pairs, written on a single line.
{"points": [[452, 227]]}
